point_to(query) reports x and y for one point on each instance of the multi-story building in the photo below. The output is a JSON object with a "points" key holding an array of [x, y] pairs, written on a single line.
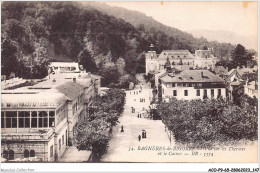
{"points": [[38, 122], [192, 84], [179, 59], [33, 125]]}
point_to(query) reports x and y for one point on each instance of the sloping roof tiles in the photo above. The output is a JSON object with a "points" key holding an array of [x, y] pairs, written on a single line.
{"points": [[70, 89], [192, 76]]}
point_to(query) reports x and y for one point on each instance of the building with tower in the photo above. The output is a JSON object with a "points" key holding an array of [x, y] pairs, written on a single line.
{"points": [[180, 59]]}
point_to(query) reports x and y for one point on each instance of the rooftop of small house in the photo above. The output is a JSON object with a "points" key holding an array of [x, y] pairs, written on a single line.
{"points": [[192, 76]]}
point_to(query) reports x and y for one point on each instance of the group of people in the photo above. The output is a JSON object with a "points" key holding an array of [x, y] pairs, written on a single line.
{"points": [[143, 135]]}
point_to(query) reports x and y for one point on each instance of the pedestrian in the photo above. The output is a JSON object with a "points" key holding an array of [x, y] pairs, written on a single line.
{"points": [[139, 138], [143, 134], [138, 116], [122, 128]]}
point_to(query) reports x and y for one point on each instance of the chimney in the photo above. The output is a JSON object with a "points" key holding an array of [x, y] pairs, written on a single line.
{"points": [[202, 74], [74, 80]]}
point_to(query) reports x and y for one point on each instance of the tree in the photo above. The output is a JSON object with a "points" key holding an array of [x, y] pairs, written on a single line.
{"points": [[240, 56], [206, 122], [94, 133], [94, 136], [85, 59]]}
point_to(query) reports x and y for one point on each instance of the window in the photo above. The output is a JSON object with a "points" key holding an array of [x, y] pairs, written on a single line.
{"points": [[43, 119], [212, 92], [62, 139], [24, 119], [51, 151], [190, 84], [34, 120], [32, 153], [219, 92], [66, 137], [185, 92], [11, 119], [205, 93], [5, 154], [26, 153], [11, 155], [184, 84], [198, 92], [174, 92], [2, 119], [51, 118], [59, 144], [173, 84]]}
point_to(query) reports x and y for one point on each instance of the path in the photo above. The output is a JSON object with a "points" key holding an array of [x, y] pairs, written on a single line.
{"points": [[73, 155], [120, 143]]}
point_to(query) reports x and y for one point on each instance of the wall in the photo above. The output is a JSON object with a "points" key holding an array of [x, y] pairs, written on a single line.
{"points": [[58, 136], [192, 93], [41, 148]]}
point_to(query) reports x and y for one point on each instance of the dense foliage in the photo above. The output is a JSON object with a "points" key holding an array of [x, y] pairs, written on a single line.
{"points": [[207, 122], [35, 33], [94, 133], [164, 37], [239, 57]]}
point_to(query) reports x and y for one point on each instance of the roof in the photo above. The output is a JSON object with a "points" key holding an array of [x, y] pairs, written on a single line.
{"points": [[70, 89], [231, 73], [192, 76], [84, 82], [28, 100], [175, 54], [63, 64]]}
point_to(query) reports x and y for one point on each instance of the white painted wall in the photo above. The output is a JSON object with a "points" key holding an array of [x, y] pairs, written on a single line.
{"points": [[192, 93]]}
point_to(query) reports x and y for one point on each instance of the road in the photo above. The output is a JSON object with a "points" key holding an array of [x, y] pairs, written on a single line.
{"points": [[121, 142]]}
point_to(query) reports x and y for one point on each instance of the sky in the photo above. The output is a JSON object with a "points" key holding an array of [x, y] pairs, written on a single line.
{"points": [[237, 17]]}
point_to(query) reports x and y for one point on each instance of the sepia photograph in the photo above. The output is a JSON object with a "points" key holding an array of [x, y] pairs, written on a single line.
{"points": [[129, 82]]}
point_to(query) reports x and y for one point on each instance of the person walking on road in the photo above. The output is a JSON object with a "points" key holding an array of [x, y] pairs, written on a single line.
{"points": [[139, 138]]}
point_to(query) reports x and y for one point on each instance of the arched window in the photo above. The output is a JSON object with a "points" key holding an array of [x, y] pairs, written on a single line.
{"points": [[32, 153], [11, 155], [34, 119], [26, 153], [5, 154]]}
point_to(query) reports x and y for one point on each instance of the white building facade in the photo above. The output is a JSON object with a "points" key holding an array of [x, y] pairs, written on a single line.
{"points": [[192, 84]]}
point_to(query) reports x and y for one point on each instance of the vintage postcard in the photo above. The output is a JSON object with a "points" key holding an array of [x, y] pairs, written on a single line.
{"points": [[129, 82]]}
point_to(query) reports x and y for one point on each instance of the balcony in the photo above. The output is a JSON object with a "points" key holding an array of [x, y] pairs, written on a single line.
{"points": [[26, 134]]}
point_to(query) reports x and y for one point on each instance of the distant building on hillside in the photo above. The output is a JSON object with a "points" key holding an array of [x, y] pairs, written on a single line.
{"points": [[180, 59], [192, 84], [64, 67]]}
